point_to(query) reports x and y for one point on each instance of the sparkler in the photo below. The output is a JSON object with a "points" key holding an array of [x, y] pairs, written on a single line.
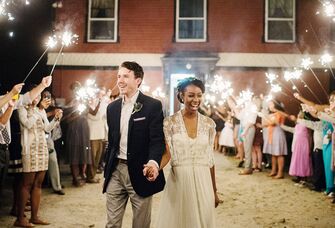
{"points": [[67, 39], [325, 60], [6, 5], [144, 87], [276, 88], [158, 93], [86, 93], [219, 87], [306, 64], [290, 75], [328, 8], [244, 97], [52, 42]]}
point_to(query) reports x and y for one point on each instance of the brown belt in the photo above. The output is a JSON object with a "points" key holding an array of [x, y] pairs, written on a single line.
{"points": [[123, 161]]}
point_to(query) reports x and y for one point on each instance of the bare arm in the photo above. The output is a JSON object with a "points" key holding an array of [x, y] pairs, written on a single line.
{"points": [[7, 97], [166, 157], [217, 200], [46, 82], [94, 111], [310, 103], [4, 118]]}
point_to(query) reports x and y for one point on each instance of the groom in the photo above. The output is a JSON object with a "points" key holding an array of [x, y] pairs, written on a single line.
{"points": [[135, 148]]}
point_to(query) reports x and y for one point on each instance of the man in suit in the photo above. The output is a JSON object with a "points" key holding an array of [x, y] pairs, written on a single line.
{"points": [[135, 148]]}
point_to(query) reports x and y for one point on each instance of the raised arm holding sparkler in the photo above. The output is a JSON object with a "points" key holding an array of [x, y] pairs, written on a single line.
{"points": [[319, 107], [9, 96]]}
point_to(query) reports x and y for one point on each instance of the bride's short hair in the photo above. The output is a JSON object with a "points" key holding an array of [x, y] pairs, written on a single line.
{"points": [[183, 83]]}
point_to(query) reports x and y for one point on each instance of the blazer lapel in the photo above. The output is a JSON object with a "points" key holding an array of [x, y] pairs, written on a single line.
{"points": [[140, 99]]}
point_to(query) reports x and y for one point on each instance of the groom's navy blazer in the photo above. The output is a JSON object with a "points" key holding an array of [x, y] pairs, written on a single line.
{"points": [[145, 142]]}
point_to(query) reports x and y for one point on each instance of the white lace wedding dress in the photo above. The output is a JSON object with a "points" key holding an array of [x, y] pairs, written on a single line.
{"points": [[188, 197]]}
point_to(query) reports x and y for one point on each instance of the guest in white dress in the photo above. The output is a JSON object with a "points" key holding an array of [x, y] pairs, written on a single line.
{"points": [[190, 195], [226, 139]]}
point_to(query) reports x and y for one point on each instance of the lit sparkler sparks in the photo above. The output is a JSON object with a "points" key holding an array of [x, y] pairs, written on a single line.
{"points": [[85, 94], [158, 93], [271, 77], [244, 97], [144, 87], [325, 59], [67, 39], [8, 5], [306, 63], [275, 88], [328, 8]]}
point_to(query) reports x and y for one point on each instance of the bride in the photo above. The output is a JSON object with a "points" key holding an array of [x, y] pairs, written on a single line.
{"points": [[190, 194]]}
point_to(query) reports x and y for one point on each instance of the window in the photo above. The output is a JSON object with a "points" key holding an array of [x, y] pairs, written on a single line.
{"points": [[102, 21], [191, 20], [280, 21]]}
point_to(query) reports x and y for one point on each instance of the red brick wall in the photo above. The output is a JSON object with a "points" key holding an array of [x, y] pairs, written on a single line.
{"points": [[233, 26]]}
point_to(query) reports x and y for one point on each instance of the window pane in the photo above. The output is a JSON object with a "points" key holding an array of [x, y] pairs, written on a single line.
{"points": [[102, 30], [191, 29], [280, 30], [102, 8], [281, 8], [191, 8]]}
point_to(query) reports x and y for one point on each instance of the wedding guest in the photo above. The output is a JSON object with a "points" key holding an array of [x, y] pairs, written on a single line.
{"points": [[53, 167], [300, 165], [35, 157], [276, 144], [77, 141], [327, 130], [8, 103], [318, 178]]}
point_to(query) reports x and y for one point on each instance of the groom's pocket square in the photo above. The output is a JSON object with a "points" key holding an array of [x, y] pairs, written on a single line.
{"points": [[139, 119]]}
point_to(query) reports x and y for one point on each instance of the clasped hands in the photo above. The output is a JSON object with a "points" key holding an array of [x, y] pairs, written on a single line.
{"points": [[150, 171]]}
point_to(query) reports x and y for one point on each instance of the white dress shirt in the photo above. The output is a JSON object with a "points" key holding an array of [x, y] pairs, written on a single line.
{"points": [[126, 111]]}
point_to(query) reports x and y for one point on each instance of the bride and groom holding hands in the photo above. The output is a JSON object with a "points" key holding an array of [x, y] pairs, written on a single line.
{"points": [[141, 142]]}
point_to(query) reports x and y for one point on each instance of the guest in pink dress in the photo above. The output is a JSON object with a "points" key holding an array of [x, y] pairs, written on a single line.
{"points": [[301, 163]]}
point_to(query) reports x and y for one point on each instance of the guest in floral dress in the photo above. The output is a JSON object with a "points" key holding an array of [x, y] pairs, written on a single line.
{"points": [[34, 123]]}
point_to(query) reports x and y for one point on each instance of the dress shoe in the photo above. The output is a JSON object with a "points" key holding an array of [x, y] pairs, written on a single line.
{"points": [[93, 181], [240, 164], [59, 192]]}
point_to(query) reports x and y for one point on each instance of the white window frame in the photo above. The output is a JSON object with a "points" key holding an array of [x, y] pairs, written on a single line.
{"points": [[178, 18], [115, 19], [267, 19]]}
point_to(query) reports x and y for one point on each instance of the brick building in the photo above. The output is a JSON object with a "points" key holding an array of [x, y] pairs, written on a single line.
{"points": [[239, 39]]}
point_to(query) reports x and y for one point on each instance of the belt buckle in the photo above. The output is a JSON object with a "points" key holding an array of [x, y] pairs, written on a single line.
{"points": [[123, 161]]}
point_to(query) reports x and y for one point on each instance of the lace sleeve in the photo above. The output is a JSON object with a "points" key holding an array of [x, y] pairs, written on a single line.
{"points": [[212, 132], [167, 131]]}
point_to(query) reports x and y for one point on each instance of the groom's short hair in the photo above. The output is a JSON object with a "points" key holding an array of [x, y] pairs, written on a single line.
{"points": [[134, 66]]}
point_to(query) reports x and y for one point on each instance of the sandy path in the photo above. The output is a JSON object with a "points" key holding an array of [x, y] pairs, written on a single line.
{"points": [[249, 201]]}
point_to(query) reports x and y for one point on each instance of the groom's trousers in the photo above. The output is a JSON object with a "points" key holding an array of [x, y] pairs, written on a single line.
{"points": [[118, 192]]}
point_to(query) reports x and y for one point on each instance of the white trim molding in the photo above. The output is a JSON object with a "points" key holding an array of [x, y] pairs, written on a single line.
{"points": [[155, 60]]}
